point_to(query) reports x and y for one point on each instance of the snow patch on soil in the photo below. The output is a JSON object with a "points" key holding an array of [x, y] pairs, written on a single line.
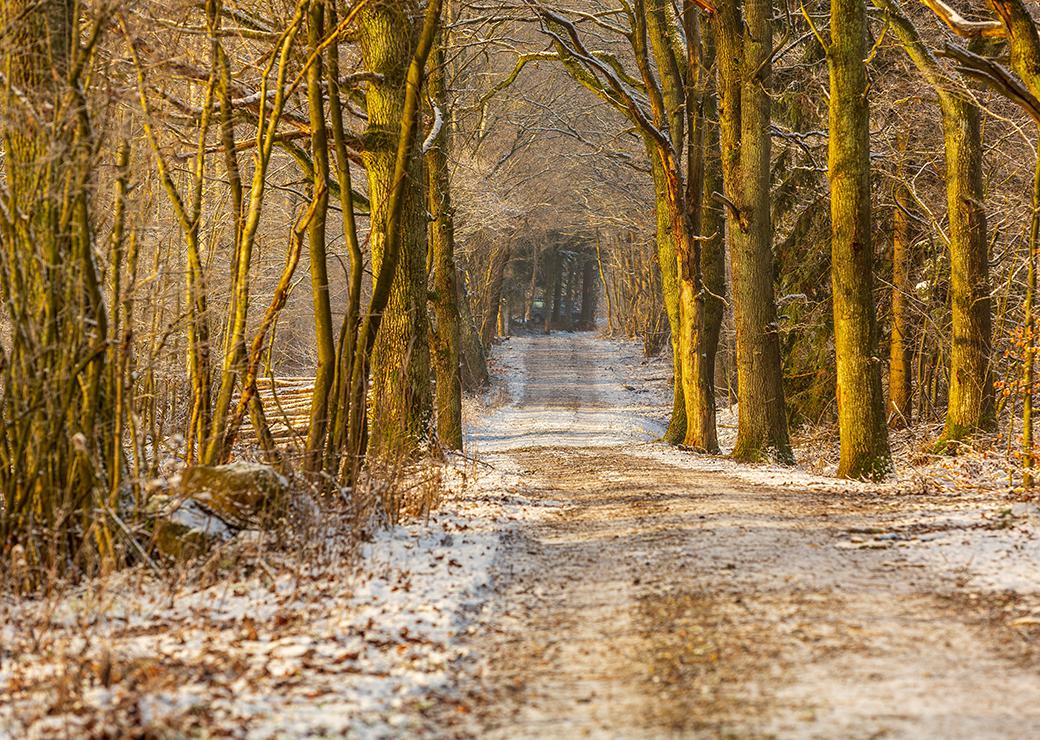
{"points": [[976, 534], [341, 646]]}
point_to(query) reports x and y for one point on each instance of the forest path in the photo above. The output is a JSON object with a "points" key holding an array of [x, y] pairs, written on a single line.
{"points": [[642, 598]]}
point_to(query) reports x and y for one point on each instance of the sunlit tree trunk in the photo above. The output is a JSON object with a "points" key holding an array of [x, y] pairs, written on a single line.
{"points": [[446, 333], [971, 397], [400, 403], [900, 355], [342, 404], [745, 46], [666, 258], [861, 404], [316, 234]]}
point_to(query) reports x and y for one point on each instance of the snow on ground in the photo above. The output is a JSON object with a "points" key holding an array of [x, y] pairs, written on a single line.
{"points": [[361, 643], [976, 532], [626, 409], [355, 644]]}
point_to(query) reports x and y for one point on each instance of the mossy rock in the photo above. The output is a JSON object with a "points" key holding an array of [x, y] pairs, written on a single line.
{"points": [[180, 541], [243, 495]]}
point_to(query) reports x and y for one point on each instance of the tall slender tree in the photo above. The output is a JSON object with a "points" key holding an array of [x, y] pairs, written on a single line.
{"points": [[971, 397], [446, 335], [900, 344], [745, 65], [316, 241], [861, 403]]}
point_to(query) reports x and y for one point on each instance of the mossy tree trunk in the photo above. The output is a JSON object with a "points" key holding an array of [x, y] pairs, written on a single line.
{"points": [[971, 401], [325, 342], [446, 331], [971, 398], [861, 404], [745, 46], [676, 432], [712, 225], [900, 345], [399, 399]]}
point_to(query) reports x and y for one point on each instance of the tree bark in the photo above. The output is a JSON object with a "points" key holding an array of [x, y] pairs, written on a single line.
{"points": [[489, 324], [900, 355], [474, 359], [745, 45], [588, 295], [400, 403], [970, 407], [861, 406], [325, 342], [447, 333], [971, 401], [666, 259]]}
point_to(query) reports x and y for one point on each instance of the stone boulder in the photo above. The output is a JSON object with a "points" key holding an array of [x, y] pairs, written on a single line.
{"points": [[242, 495]]}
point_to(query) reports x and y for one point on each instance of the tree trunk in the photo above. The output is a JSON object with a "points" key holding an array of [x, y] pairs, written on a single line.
{"points": [[498, 270], [900, 403], [971, 401], [559, 265], [712, 228], [1029, 329], [532, 286], [745, 46], [588, 295], [399, 406], [447, 332], [971, 398], [666, 259], [474, 360], [325, 342], [861, 406], [606, 287]]}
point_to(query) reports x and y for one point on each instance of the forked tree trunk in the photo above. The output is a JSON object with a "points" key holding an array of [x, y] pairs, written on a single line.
{"points": [[861, 405], [971, 398]]}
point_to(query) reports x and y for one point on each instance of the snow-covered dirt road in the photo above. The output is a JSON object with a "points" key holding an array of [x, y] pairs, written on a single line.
{"points": [[578, 579], [650, 592]]}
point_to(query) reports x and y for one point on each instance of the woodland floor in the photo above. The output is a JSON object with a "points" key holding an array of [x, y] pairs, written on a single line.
{"points": [[580, 579], [647, 594]]}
